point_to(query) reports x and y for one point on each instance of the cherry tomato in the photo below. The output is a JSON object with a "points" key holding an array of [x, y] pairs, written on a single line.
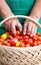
{"points": [[38, 34], [13, 41], [39, 38], [4, 42], [25, 37], [27, 45], [10, 36], [17, 32], [22, 44], [8, 44], [39, 42], [35, 43], [18, 37], [1, 40], [35, 38], [4, 36], [17, 44], [26, 41], [30, 41]]}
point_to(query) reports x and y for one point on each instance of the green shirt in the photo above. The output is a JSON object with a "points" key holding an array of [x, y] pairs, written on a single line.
{"points": [[19, 7]]}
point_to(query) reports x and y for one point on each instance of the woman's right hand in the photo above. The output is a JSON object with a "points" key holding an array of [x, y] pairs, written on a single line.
{"points": [[6, 12], [12, 24]]}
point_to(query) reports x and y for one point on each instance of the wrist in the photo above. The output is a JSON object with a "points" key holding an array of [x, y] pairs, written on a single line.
{"points": [[6, 14], [34, 16]]}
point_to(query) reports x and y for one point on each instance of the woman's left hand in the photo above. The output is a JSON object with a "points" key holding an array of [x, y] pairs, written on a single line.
{"points": [[29, 28]]}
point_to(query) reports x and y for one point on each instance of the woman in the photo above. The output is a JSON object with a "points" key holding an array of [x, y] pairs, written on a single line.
{"points": [[18, 7]]}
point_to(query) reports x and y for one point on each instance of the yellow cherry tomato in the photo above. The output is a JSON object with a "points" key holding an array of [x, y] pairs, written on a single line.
{"points": [[17, 44], [4, 36]]}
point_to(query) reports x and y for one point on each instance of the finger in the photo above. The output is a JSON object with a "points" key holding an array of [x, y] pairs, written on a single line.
{"points": [[19, 26], [25, 27], [13, 29], [7, 26], [29, 28], [33, 32]]}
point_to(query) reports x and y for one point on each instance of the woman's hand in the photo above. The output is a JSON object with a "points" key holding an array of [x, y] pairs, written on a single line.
{"points": [[12, 24], [6, 12], [30, 28]]}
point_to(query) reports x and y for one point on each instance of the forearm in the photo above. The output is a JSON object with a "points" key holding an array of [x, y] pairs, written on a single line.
{"points": [[4, 8], [36, 11]]}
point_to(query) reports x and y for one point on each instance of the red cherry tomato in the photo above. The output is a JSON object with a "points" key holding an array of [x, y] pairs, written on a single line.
{"points": [[13, 41], [30, 41], [26, 41], [35, 38], [25, 37], [18, 37], [38, 34]]}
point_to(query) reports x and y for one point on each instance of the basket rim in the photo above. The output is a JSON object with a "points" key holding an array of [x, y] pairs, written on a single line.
{"points": [[39, 46]]}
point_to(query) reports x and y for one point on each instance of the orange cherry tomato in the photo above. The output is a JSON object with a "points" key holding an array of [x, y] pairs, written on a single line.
{"points": [[27, 45], [39, 38], [8, 44], [39, 42], [22, 44], [35, 43], [17, 32]]}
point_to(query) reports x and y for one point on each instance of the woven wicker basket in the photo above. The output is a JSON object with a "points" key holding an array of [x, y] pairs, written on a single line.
{"points": [[20, 56]]}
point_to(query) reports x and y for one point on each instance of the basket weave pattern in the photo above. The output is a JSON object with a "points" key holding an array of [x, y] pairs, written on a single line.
{"points": [[20, 56]]}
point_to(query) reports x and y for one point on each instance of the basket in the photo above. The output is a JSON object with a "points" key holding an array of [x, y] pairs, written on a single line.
{"points": [[17, 55]]}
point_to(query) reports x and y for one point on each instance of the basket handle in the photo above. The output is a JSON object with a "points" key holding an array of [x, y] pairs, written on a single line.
{"points": [[21, 16]]}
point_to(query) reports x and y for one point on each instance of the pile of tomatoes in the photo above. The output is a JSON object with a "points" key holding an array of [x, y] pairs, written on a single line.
{"points": [[19, 40]]}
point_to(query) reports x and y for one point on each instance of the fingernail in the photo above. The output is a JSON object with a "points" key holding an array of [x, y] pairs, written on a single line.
{"points": [[28, 32], [24, 33], [31, 35]]}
